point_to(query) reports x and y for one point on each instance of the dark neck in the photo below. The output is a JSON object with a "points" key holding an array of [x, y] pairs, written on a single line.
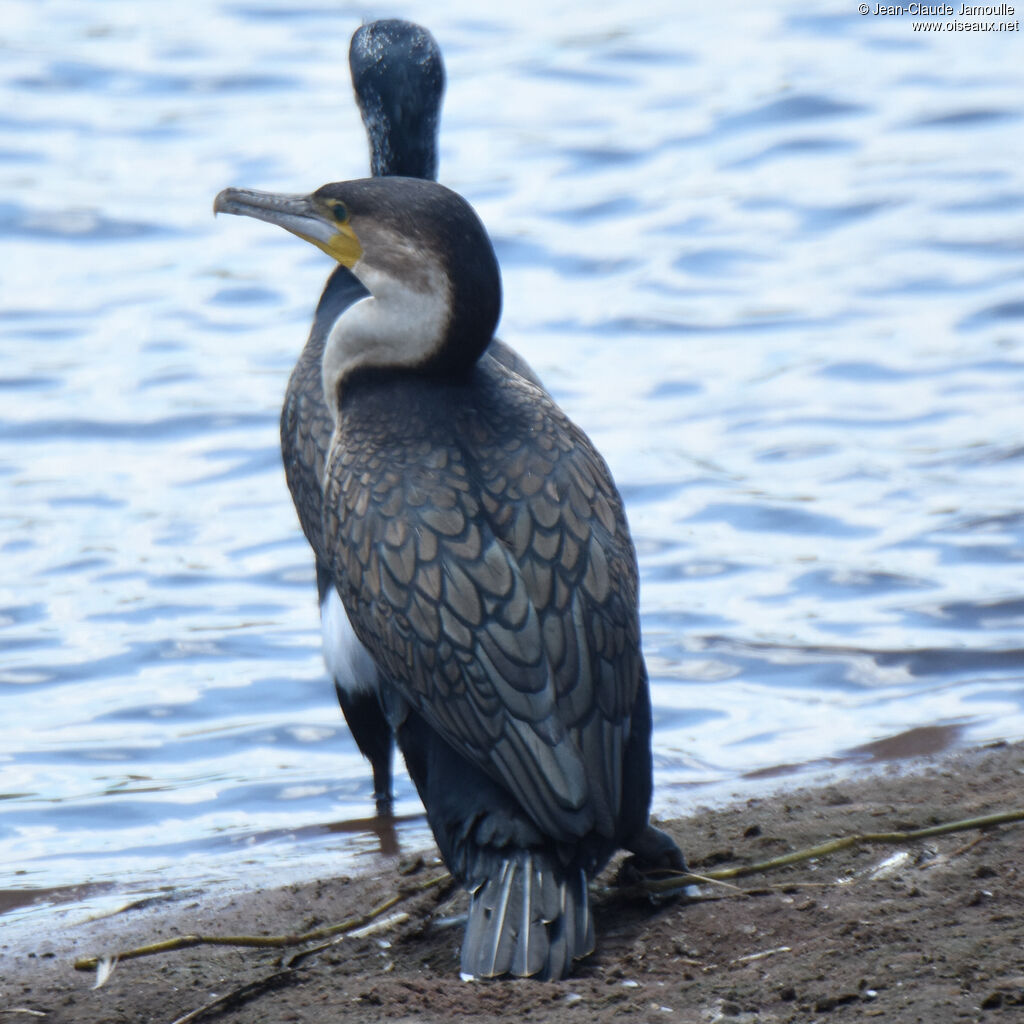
{"points": [[396, 152], [476, 306], [340, 292]]}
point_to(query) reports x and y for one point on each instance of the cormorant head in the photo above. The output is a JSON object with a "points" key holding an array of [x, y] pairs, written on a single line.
{"points": [[418, 249], [398, 77]]}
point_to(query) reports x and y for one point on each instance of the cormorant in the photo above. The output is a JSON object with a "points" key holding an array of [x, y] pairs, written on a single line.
{"points": [[398, 78], [481, 552]]}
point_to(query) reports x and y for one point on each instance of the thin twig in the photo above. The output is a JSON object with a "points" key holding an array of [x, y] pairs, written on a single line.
{"points": [[240, 995], [90, 963], [666, 885], [961, 850], [692, 878], [286, 975]]}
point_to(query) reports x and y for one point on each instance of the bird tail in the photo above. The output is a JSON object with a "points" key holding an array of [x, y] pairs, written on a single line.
{"points": [[530, 917]]}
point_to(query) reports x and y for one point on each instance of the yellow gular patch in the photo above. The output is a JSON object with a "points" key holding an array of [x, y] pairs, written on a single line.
{"points": [[343, 246]]}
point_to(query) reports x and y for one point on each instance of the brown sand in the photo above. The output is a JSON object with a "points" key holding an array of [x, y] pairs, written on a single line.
{"points": [[930, 931]]}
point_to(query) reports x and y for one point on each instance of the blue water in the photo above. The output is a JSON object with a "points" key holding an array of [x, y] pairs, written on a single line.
{"points": [[772, 260]]}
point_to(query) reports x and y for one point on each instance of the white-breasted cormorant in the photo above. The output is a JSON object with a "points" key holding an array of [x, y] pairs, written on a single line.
{"points": [[398, 78], [481, 551]]}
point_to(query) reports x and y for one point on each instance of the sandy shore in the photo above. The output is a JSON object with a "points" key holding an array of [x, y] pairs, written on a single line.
{"points": [[931, 931]]}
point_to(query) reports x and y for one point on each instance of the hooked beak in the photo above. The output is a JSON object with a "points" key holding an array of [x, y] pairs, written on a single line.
{"points": [[305, 216]]}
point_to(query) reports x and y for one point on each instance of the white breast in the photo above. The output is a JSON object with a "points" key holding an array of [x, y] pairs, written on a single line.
{"points": [[348, 661]]}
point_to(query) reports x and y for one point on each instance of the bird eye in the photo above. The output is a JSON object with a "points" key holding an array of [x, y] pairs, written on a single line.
{"points": [[340, 211]]}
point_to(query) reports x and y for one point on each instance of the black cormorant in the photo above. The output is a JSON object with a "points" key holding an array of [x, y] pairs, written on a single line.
{"points": [[398, 77], [480, 549]]}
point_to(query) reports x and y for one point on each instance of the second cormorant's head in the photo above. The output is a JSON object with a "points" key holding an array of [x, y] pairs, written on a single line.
{"points": [[398, 77], [418, 249]]}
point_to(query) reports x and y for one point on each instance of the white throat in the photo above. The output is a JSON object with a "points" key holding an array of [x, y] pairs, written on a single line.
{"points": [[400, 323]]}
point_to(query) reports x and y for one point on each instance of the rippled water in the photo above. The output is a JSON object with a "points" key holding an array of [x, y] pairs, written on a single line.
{"points": [[773, 262]]}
